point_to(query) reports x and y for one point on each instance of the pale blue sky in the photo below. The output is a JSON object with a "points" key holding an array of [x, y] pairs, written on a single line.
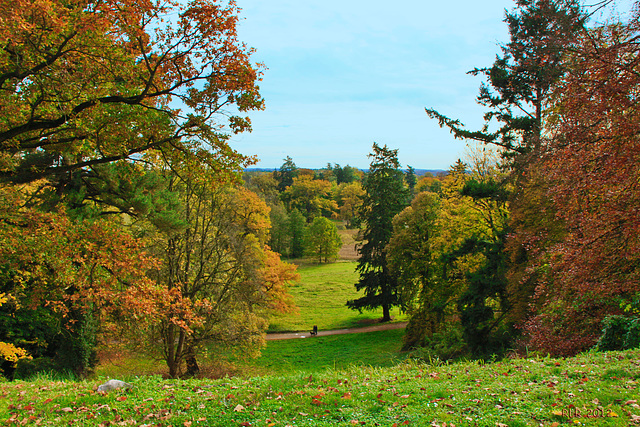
{"points": [[343, 74]]}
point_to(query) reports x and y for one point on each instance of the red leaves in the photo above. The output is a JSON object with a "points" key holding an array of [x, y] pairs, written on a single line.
{"points": [[315, 400], [592, 175]]}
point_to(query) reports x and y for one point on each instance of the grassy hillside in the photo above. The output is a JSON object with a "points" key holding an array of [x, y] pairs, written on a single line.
{"points": [[321, 296], [599, 389], [379, 349], [376, 349]]}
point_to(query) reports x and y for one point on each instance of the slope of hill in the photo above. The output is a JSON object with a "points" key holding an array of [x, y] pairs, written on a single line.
{"points": [[591, 389]]}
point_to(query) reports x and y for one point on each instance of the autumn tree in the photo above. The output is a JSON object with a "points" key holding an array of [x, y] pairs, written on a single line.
{"points": [[413, 259], [9, 353], [87, 89], [349, 198], [591, 271], [312, 197], [483, 303], [322, 239], [518, 90], [428, 182], [223, 278], [446, 251], [66, 283], [263, 184], [385, 196], [85, 84]]}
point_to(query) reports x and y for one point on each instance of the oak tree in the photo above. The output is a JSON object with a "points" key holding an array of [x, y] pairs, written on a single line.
{"points": [[88, 83]]}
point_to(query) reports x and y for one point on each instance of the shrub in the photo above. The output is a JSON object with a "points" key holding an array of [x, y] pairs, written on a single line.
{"points": [[632, 338], [445, 344], [619, 333]]}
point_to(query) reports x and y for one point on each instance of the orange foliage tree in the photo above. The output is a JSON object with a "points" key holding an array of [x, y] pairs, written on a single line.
{"points": [[86, 88], [223, 279], [89, 274], [84, 83]]}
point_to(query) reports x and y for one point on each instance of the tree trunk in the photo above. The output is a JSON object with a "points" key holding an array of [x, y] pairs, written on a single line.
{"points": [[192, 365], [191, 361], [386, 313]]}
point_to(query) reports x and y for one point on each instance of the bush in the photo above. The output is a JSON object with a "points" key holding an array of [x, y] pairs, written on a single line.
{"points": [[619, 333], [445, 344], [632, 339], [30, 368]]}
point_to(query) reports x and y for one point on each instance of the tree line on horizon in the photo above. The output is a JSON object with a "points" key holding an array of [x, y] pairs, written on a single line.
{"points": [[126, 217]]}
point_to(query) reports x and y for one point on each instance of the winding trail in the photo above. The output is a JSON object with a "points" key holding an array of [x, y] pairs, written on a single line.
{"points": [[293, 335]]}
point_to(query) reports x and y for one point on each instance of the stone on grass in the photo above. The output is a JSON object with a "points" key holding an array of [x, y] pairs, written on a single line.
{"points": [[113, 385]]}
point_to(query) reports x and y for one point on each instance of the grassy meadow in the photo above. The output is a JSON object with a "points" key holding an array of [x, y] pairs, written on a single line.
{"points": [[598, 389], [321, 295], [377, 349]]}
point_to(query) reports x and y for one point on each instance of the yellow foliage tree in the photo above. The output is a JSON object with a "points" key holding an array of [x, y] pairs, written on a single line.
{"points": [[8, 351]]}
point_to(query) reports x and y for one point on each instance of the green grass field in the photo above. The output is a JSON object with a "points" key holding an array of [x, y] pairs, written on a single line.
{"points": [[321, 296], [378, 349], [593, 389]]}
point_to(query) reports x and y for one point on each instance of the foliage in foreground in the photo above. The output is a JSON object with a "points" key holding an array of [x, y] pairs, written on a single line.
{"points": [[591, 389]]}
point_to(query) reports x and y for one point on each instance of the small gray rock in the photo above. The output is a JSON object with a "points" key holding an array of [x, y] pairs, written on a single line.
{"points": [[114, 385]]}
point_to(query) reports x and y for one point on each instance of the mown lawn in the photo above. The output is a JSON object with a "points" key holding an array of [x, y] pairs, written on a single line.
{"points": [[376, 349], [321, 297], [598, 389]]}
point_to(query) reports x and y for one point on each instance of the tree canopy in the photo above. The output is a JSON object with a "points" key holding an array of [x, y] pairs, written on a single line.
{"points": [[88, 83]]}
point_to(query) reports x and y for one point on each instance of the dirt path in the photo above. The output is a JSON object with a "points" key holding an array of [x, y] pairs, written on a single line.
{"points": [[292, 335]]}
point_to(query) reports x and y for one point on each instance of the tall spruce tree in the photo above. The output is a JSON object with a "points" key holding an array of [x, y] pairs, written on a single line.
{"points": [[385, 196], [520, 81], [284, 176]]}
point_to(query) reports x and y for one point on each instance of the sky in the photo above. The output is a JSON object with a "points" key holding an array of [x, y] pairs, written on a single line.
{"points": [[343, 74]]}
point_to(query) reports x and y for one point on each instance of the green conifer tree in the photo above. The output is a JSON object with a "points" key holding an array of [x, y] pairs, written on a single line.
{"points": [[385, 197]]}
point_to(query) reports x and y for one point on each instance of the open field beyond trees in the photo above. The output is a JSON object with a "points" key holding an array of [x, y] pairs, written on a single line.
{"points": [[321, 297], [591, 389]]}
